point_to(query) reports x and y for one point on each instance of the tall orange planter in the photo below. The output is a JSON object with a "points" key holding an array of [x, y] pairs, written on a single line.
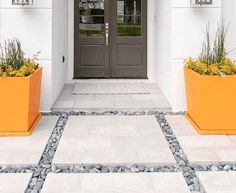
{"points": [[19, 104], [211, 102]]}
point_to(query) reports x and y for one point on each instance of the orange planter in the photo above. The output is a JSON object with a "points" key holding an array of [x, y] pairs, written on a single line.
{"points": [[211, 102], [19, 104]]}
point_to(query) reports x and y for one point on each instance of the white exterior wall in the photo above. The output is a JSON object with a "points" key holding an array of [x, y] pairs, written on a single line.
{"points": [[181, 27], [34, 26], [59, 46], [175, 32], [162, 49], [229, 15]]}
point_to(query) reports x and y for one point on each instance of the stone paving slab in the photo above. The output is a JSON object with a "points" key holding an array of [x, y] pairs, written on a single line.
{"points": [[69, 102], [27, 150], [113, 140], [202, 148], [116, 183], [14, 183], [218, 182]]}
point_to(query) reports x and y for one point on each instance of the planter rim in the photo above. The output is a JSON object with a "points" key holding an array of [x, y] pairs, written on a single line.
{"points": [[26, 77], [215, 76]]}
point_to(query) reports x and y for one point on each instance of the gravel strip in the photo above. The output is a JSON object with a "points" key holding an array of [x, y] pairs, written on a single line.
{"points": [[19, 169], [36, 183], [180, 157], [215, 167], [99, 168]]}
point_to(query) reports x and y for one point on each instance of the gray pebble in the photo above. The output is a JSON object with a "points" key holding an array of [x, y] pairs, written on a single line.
{"points": [[54, 168], [133, 169], [227, 168], [214, 168], [182, 163]]}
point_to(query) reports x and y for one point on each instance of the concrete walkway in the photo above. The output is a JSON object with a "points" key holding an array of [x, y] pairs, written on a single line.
{"points": [[117, 152], [152, 100]]}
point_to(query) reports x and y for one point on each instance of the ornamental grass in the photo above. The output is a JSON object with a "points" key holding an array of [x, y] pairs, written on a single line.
{"points": [[12, 60], [213, 59]]}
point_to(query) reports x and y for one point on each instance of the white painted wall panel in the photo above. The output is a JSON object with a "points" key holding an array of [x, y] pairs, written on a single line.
{"points": [[229, 15], [150, 41], [32, 26], [70, 25], [162, 43], [188, 30], [178, 96], [46, 94], [59, 40]]}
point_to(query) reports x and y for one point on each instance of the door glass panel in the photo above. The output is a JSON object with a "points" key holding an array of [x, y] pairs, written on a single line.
{"points": [[91, 18], [129, 18]]}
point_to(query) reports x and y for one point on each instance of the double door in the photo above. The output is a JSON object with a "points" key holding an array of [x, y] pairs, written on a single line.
{"points": [[110, 39]]}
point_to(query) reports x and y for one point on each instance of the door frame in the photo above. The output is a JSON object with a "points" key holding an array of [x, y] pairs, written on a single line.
{"points": [[151, 25]]}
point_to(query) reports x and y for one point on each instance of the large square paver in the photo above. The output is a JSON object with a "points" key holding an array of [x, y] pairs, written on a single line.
{"points": [[218, 182], [114, 140], [116, 183], [14, 183], [27, 150], [202, 148]]}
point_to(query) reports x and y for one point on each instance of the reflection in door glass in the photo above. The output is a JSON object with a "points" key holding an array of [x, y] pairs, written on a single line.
{"points": [[129, 18], [91, 18]]}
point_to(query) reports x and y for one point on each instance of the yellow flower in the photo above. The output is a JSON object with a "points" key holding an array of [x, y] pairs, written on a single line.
{"points": [[227, 67], [27, 69], [213, 70], [226, 70]]}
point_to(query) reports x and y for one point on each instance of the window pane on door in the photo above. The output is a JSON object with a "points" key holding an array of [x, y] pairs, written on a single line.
{"points": [[129, 22], [91, 18]]}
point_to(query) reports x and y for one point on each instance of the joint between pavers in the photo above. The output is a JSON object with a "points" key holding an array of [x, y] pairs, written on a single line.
{"points": [[38, 177], [113, 168], [188, 171], [215, 167]]}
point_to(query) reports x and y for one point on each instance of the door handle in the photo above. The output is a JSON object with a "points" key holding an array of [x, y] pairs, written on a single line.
{"points": [[107, 34], [107, 39]]}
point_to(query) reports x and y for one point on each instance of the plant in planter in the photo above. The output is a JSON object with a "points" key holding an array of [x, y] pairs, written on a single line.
{"points": [[210, 82], [20, 83]]}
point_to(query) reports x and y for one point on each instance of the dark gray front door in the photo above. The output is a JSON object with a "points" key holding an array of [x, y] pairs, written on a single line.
{"points": [[110, 39]]}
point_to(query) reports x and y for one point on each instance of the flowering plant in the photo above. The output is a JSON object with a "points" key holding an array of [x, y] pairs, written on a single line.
{"points": [[12, 60], [213, 59]]}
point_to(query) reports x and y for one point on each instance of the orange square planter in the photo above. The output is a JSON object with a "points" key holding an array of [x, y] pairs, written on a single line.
{"points": [[211, 102], [19, 104]]}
